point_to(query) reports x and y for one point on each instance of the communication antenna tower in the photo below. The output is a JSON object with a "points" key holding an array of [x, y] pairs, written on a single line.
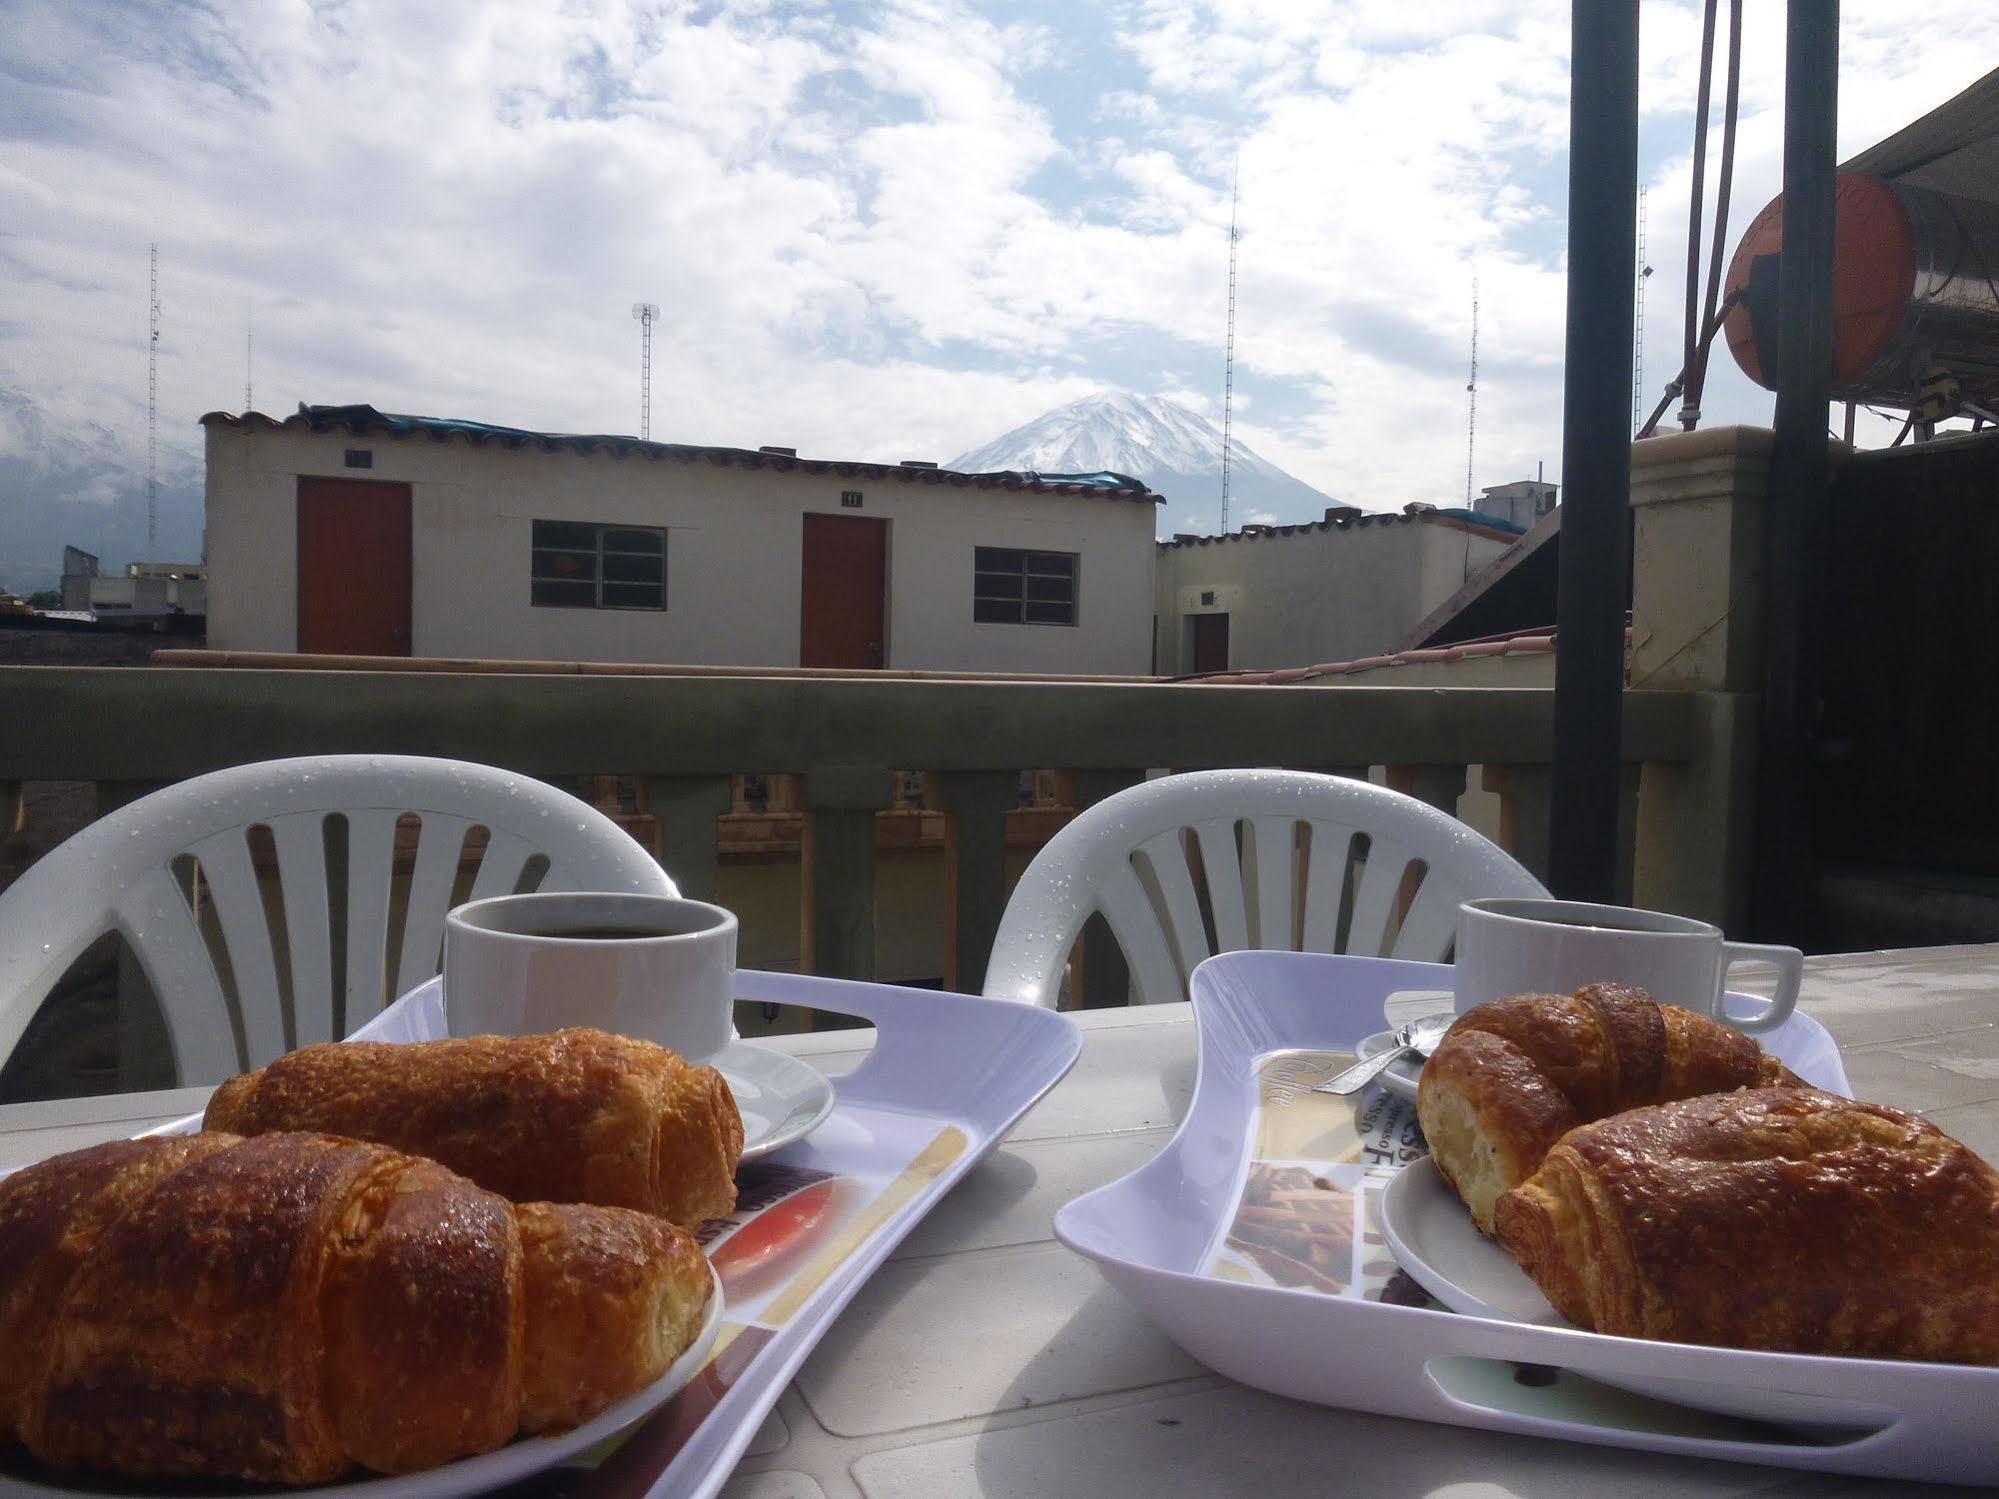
{"points": [[249, 354], [153, 407], [1471, 393], [1638, 324], [1228, 356], [645, 312]]}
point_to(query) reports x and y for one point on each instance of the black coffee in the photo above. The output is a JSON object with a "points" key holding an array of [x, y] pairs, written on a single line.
{"points": [[1605, 926], [604, 933]]}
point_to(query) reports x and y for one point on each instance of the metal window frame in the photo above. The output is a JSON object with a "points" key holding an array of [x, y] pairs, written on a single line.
{"points": [[1073, 577], [600, 552]]}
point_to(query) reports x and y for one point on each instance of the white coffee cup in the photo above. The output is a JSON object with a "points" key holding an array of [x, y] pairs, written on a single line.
{"points": [[1515, 946], [510, 970]]}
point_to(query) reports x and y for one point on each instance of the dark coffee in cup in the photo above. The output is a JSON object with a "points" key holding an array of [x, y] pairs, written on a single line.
{"points": [[603, 933]]}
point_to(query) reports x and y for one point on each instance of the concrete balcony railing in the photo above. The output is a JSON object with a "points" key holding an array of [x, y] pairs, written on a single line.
{"points": [[685, 738]]}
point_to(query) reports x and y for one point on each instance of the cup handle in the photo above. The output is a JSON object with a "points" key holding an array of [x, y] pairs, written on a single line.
{"points": [[1790, 965]]}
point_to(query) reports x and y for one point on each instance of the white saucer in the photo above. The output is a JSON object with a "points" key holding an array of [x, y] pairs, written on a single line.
{"points": [[1431, 1235], [781, 1099], [1400, 1077]]}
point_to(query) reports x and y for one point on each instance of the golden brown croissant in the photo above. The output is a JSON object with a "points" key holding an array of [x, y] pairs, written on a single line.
{"points": [[571, 1116], [1510, 1078], [1774, 1218], [287, 1307]]}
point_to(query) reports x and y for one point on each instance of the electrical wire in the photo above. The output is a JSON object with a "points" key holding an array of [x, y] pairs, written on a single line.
{"points": [[1697, 373], [1690, 350], [1676, 385]]}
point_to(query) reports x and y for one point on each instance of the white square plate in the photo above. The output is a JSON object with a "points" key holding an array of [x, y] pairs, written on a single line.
{"points": [[1151, 1233]]}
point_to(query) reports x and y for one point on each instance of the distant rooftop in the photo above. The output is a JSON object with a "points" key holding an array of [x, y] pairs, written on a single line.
{"points": [[365, 421], [1535, 642], [1340, 517]]}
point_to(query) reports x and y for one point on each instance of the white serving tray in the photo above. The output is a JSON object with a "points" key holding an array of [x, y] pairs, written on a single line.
{"points": [[941, 1063], [1151, 1233]]}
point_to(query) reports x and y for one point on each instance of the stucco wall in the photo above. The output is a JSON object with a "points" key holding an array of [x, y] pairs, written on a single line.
{"points": [[733, 556], [1451, 556], [1329, 593]]}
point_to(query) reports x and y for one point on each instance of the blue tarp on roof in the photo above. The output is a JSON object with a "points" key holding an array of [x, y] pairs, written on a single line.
{"points": [[397, 423], [1101, 479], [1480, 518]]}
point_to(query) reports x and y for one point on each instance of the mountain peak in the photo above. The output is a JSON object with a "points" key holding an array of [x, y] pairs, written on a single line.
{"points": [[1108, 429], [1171, 447]]}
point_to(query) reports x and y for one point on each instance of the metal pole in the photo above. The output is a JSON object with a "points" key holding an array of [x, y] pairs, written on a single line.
{"points": [[1800, 470], [1596, 449]]}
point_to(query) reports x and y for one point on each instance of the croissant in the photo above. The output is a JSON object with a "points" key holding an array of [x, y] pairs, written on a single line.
{"points": [[1510, 1078], [1774, 1218], [285, 1308], [571, 1116]]}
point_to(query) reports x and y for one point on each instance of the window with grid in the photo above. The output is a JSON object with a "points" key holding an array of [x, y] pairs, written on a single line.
{"points": [[1014, 587], [587, 565]]}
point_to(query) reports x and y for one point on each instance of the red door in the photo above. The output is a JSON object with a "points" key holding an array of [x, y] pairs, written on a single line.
{"points": [[1211, 643], [843, 585], [353, 567]]}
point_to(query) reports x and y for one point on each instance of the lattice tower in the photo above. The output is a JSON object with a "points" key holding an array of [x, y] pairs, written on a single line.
{"points": [[153, 405], [1471, 399], [645, 312], [1641, 274], [1228, 356]]}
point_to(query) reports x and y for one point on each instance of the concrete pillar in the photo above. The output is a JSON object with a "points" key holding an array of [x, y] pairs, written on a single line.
{"points": [[1523, 792], [839, 867], [975, 804], [1697, 503], [1439, 785], [686, 807], [1696, 531]]}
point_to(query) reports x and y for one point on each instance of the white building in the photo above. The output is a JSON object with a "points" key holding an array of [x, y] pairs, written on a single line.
{"points": [[1520, 503], [1349, 586], [147, 588], [345, 530]]}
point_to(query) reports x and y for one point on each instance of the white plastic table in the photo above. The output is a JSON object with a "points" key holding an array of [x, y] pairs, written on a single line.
{"points": [[985, 1359]]}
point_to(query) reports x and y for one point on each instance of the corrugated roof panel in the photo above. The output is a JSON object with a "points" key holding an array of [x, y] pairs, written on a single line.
{"points": [[362, 420]]}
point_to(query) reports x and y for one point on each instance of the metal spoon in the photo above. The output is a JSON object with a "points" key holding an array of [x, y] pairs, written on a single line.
{"points": [[1420, 1036]]}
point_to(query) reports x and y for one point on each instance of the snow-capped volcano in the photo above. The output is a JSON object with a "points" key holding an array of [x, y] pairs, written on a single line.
{"points": [[1176, 451]]}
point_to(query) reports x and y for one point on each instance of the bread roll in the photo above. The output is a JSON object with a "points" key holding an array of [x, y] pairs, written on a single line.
{"points": [[1773, 1218], [611, 1300], [49, 1218], [285, 1308], [571, 1116], [1510, 1078]]}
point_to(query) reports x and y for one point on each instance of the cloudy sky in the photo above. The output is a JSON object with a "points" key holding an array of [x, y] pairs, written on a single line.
{"points": [[884, 230]]}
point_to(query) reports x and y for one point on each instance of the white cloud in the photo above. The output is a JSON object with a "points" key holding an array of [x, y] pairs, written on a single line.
{"points": [[884, 233]]}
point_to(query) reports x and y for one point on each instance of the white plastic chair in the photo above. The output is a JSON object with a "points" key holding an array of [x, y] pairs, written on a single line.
{"points": [[126, 872], [1267, 885]]}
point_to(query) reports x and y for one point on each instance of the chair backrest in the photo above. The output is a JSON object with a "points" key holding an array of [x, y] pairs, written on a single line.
{"points": [[332, 824], [1215, 861]]}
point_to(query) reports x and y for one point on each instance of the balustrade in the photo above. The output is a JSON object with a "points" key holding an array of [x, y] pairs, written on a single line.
{"points": [[835, 757]]}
